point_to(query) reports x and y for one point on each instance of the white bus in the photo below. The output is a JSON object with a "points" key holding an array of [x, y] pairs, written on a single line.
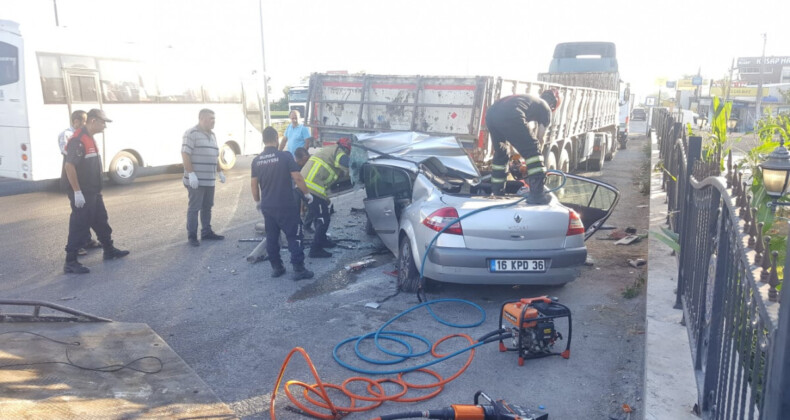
{"points": [[151, 103]]}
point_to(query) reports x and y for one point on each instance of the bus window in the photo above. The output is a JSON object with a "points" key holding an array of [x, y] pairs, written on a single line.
{"points": [[122, 82], [222, 92], [51, 79], [83, 88], [9, 64]]}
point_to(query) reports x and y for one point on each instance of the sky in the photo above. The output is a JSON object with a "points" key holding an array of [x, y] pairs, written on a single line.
{"points": [[509, 38]]}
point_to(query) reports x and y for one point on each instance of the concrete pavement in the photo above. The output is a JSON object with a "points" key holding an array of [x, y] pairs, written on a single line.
{"points": [[670, 387]]}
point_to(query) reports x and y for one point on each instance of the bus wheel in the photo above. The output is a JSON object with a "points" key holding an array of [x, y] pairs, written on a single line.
{"points": [[124, 168], [227, 157]]}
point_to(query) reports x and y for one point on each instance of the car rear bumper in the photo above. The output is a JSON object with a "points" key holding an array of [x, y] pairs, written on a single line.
{"points": [[461, 265]]}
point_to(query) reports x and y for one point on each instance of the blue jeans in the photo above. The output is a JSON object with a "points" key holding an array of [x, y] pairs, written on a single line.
{"points": [[201, 200]]}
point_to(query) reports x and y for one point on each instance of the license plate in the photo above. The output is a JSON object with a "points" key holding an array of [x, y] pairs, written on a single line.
{"points": [[516, 265]]}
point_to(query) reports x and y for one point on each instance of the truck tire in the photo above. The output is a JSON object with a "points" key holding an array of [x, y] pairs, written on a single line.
{"points": [[597, 165], [564, 163], [124, 168], [551, 161], [611, 149]]}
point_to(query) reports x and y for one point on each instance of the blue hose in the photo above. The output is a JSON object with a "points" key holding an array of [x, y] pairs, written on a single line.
{"points": [[390, 335]]}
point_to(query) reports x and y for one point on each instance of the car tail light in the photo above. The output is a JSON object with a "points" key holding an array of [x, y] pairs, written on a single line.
{"points": [[575, 226], [24, 147], [440, 218]]}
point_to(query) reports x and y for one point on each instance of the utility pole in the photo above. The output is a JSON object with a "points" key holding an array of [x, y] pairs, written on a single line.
{"points": [[758, 112], [55, 3], [267, 113], [699, 87], [729, 82]]}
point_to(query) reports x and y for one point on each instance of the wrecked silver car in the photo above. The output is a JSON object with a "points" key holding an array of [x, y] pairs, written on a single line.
{"points": [[417, 184]]}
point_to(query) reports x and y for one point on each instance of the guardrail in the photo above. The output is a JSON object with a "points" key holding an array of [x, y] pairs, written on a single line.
{"points": [[738, 331]]}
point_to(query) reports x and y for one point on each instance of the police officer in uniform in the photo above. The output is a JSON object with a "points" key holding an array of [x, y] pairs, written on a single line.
{"points": [[83, 170], [508, 120], [327, 166], [273, 174]]}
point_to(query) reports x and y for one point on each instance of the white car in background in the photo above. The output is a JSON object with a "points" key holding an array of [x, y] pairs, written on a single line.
{"points": [[416, 185]]}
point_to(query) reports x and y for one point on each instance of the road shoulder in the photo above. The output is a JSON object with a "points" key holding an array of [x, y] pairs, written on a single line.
{"points": [[670, 387]]}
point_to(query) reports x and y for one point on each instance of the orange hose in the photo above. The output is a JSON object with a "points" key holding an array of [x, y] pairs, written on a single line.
{"points": [[374, 388]]}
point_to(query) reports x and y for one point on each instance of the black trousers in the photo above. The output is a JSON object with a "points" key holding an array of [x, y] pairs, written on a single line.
{"points": [[320, 209], [93, 215], [509, 125], [288, 221]]}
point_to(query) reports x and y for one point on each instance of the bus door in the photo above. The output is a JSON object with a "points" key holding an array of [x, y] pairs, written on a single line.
{"points": [[254, 118], [82, 92]]}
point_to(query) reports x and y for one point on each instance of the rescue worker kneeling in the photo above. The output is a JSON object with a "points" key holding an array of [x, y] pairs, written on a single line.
{"points": [[325, 168]]}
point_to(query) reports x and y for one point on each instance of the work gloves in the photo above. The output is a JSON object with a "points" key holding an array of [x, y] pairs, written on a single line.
{"points": [[79, 199], [193, 180], [222, 177], [309, 198]]}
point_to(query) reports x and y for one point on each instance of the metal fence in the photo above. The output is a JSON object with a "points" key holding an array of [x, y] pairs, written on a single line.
{"points": [[737, 329]]}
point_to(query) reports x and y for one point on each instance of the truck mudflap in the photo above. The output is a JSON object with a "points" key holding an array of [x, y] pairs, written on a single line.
{"points": [[72, 363]]}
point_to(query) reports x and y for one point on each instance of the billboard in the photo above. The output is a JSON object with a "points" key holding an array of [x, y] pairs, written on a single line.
{"points": [[735, 91]]}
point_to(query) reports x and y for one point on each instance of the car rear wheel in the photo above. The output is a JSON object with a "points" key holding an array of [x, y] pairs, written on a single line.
{"points": [[408, 275]]}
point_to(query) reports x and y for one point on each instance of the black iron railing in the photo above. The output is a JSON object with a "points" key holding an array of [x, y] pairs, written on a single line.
{"points": [[738, 331]]}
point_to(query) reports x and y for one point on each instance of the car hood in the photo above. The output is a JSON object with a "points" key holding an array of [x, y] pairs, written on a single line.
{"points": [[414, 147]]}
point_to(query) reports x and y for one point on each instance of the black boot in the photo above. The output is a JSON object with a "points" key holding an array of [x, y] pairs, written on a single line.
{"points": [[318, 252], [74, 266], [111, 252], [301, 273], [277, 269], [537, 195]]}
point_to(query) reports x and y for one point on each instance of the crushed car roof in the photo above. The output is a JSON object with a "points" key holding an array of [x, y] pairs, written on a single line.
{"points": [[416, 147]]}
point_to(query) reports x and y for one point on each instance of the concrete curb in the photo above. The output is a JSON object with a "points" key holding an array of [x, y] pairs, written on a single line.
{"points": [[670, 385]]}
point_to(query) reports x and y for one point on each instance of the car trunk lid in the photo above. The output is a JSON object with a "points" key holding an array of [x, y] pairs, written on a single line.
{"points": [[519, 226]]}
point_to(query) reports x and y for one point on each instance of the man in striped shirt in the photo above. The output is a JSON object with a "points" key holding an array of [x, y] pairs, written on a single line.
{"points": [[201, 155]]}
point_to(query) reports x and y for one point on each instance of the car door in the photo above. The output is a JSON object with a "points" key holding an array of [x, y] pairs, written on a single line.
{"points": [[594, 200], [386, 188]]}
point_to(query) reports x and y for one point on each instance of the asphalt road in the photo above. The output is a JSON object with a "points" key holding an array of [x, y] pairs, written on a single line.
{"points": [[234, 324]]}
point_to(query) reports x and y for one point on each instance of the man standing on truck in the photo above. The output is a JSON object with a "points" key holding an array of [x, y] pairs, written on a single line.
{"points": [[508, 120]]}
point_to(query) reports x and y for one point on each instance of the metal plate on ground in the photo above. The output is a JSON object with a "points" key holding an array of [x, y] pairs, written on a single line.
{"points": [[47, 390]]}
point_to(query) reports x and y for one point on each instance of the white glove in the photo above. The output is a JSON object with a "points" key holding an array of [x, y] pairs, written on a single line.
{"points": [[79, 199], [193, 180], [222, 177], [309, 198]]}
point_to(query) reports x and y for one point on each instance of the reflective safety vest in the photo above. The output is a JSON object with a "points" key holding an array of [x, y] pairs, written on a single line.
{"points": [[324, 169]]}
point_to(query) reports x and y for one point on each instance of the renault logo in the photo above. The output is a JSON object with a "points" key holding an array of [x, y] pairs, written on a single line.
{"points": [[517, 218]]}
